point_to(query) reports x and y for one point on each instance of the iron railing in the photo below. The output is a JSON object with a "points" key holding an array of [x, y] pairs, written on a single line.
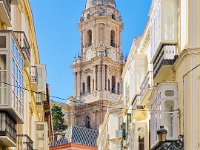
{"points": [[146, 84], [7, 126], [166, 56], [34, 74], [170, 144], [24, 142], [23, 43]]}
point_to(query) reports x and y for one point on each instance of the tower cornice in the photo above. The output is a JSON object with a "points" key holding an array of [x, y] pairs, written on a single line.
{"points": [[95, 19]]}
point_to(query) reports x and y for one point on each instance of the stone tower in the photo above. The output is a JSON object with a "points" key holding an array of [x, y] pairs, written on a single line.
{"points": [[98, 68]]}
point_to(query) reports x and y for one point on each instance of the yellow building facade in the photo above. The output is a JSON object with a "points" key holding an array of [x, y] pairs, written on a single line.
{"points": [[24, 97]]}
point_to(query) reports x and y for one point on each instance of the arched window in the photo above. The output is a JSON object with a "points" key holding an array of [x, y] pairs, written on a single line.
{"points": [[88, 16], [113, 84], [118, 88], [88, 84], [112, 38], [83, 91], [108, 84], [113, 16], [87, 122], [89, 38]]}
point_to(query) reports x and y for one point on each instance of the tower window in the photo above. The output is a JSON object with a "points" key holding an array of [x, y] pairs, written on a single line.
{"points": [[2, 41], [112, 38], [113, 84], [113, 16], [88, 84], [89, 38], [83, 91], [88, 16], [87, 122], [141, 143]]}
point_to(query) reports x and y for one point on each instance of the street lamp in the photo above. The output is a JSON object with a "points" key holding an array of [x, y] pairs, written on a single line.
{"points": [[162, 134], [165, 144]]}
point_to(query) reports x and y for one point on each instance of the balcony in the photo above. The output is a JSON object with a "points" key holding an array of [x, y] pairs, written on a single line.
{"points": [[40, 98], [23, 43], [166, 119], [146, 87], [137, 112], [11, 72], [5, 10], [34, 78], [7, 130], [164, 111], [24, 142], [163, 63]]}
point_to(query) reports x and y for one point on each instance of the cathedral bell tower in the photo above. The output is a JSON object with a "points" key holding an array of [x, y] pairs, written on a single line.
{"points": [[98, 68]]}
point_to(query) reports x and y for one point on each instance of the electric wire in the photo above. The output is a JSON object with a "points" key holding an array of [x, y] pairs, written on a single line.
{"points": [[83, 104]]}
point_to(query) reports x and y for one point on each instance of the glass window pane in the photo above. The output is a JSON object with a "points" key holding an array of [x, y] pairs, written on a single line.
{"points": [[13, 46], [2, 41]]}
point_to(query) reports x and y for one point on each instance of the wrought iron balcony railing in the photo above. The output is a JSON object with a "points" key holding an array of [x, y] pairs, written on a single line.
{"points": [[23, 43], [24, 142], [34, 74], [7, 126], [146, 84], [170, 144], [136, 102], [166, 56]]}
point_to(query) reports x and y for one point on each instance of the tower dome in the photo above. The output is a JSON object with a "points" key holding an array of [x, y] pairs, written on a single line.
{"points": [[93, 3]]}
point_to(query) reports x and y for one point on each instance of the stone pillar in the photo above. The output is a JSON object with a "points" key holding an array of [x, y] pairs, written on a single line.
{"points": [[107, 36], [103, 77], [96, 36], [99, 78], [75, 84], [118, 43], [81, 42], [78, 84]]}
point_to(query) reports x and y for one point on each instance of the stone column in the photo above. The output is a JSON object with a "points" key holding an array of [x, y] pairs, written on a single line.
{"points": [[118, 43], [96, 36], [75, 84], [107, 36], [95, 78], [103, 77], [81, 42], [78, 83], [99, 78]]}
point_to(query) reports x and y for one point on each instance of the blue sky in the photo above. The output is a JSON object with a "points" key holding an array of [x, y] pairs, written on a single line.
{"points": [[58, 38]]}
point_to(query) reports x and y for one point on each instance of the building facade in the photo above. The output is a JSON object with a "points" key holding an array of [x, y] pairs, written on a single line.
{"points": [[110, 136], [161, 80], [24, 97], [98, 68]]}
